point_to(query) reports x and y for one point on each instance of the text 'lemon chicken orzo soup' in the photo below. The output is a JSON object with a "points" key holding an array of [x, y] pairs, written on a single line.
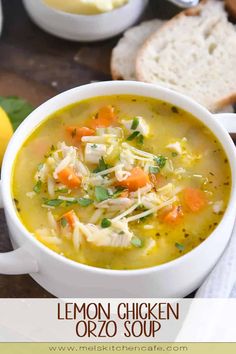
{"points": [[121, 182]]}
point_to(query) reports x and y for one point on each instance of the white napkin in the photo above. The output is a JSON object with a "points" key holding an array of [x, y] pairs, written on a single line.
{"points": [[221, 282]]}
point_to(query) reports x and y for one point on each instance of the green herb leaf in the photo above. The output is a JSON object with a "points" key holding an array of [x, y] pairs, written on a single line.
{"points": [[118, 191], [105, 223], [140, 139], [71, 202], [135, 123], [133, 136], [16, 108], [102, 166], [62, 190], [63, 222], [161, 161], [53, 202], [136, 242], [154, 169], [174, 154], [101, 193], [84, 202], [37, 188], [179, 246]]}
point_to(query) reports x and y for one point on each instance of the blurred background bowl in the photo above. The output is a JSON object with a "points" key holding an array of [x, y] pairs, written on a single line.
{"points": [[84, 28]]}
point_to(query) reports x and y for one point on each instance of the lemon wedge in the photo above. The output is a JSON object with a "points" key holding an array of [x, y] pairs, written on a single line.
{"points": [[6, 131]]}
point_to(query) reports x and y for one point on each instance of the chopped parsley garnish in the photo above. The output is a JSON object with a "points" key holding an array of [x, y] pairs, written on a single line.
{"points": [[118, 191], [105, 223], [53, 202], [179, 246], [154, 169], [62, 190], [174, 109], [133, 136], [140, 139], [84, 202], [63, 222], [94, 146], [174, 154], [135, 123], [38, 186], [101, 193], [136, 242], [102, 166], [161, 161]]}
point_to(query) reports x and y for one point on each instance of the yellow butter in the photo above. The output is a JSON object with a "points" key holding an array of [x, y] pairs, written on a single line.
{"points": [[85, 7], [6, 132]]}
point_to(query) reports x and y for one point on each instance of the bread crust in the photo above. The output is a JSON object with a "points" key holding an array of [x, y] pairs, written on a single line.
{"points": [[218, 105], [231, 7], [194, 11]]}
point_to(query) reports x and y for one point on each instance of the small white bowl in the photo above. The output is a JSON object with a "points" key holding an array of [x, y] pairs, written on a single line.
{"points": [[84, 28]]}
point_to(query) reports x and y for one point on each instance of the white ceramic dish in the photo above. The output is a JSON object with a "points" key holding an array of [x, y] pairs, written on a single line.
{"points": [[65, 278], [84, 27]]}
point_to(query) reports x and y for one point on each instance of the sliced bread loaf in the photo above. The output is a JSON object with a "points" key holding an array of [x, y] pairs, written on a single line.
{"points": [[124, 54], [231, 7], [194, 53]]}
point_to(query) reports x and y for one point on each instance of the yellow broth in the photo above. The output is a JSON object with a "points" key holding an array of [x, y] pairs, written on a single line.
{"points": [[203, 166]]}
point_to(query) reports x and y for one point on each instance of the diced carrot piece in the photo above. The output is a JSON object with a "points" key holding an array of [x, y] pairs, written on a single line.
{"points": [[194, 199], [136, 180], [103, 119], [157, 180], [174, 216], [70, 217], [79, 132], [68, 177]]}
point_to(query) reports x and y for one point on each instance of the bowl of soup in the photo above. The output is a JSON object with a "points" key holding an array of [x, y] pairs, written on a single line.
{"points": [[118, 189]]}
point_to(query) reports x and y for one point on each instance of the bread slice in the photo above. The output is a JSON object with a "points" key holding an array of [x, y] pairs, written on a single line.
{"points": [[194, 53], [124, 54], [231, 7]]}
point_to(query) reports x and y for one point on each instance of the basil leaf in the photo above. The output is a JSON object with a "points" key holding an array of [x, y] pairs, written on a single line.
{"points": [[105, 223], [133, 136], [135, 123], [136, 242], [179, 246], [53, 202], [84, 202], [101, 193], [16, 108], [37, 188]]}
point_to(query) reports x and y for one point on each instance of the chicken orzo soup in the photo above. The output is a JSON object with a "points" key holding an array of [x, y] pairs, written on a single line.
{"points": [[121, 182]]}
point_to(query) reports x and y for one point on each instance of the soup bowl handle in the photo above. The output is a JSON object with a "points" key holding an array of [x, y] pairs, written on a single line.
{"points": [[19, 261], [228, 121]]}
